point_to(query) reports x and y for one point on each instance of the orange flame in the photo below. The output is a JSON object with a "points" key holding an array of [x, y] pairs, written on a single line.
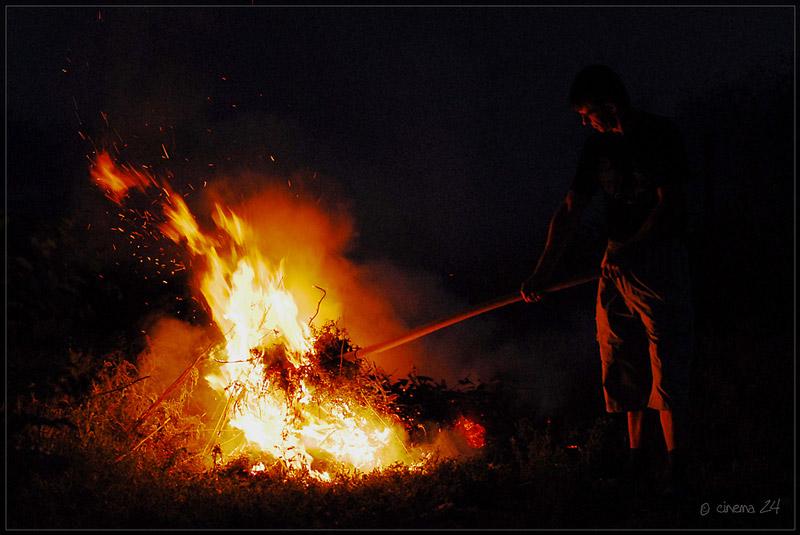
{"points": [[260, 321], [117, 180]]}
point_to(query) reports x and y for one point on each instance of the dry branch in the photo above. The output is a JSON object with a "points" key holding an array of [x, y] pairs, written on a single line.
{"points": [[172, 387], [145, 439], [118, 389]]}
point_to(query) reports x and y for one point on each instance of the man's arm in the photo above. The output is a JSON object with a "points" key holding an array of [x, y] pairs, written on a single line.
{"points": [[563, 225]]}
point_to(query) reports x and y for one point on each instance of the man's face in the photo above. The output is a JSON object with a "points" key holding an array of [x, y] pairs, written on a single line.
{"points": [[602, 118]]}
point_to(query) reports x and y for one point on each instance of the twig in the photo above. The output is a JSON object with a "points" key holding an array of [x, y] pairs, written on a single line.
{"points": [[341, 357], [145, 439], [324, 293], [234, 361], [116, 389], [218, 425], [380, 419]]}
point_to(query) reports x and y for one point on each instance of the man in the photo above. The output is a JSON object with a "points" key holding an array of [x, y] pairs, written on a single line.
{"points": [[639, 161]]}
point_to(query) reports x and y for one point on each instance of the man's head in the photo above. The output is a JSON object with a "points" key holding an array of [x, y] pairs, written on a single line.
{"points": [[599, 95]]}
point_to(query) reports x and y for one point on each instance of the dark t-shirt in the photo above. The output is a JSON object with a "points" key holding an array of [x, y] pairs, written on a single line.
{"points": [[630, 168]]}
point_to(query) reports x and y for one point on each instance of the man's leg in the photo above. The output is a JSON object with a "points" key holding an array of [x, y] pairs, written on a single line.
{"points": [[660, 292], [636, 460], [668, 418], [626, 380], [673, 432], [635, 420]]}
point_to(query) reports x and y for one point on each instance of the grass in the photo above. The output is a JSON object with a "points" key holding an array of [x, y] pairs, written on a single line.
{"points": [[73, 464]]}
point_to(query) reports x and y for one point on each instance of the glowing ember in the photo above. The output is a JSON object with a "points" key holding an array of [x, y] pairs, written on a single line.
{"points": [[473, 432], [258, 467], [263, 373]]}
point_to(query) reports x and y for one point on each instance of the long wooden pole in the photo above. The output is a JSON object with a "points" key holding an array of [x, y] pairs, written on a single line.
{"points": [[456, 318]]}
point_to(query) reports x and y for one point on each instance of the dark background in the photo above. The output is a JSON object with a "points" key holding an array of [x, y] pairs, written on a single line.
{"points": [[444, 131]]}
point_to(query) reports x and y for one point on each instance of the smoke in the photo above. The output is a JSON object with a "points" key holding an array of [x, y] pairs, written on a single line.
{"points": [[314, 236], [173, 347], [301, 223], [185, 107], [303, 220]]}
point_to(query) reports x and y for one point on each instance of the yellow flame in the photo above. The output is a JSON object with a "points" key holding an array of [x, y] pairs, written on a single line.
{"points": [[261, 324]]}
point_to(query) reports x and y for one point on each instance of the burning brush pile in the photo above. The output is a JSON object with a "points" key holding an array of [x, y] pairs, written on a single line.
{"points": [[278, 380]]}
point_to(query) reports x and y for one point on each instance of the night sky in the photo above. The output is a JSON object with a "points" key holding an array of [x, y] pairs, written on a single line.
{"points": [[445, 131]]}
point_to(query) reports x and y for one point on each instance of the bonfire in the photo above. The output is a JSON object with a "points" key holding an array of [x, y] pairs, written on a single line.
{"points": [[278, 389]]}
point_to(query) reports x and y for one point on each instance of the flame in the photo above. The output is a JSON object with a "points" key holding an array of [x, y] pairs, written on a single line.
{"points": [[117, 180], [260, 378]]}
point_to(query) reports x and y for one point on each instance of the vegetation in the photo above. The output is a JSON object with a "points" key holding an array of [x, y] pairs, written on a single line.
{"points": [[76, 461]]}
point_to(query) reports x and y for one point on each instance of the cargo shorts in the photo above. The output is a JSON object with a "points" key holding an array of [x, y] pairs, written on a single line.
{"points": [[645, 331]]}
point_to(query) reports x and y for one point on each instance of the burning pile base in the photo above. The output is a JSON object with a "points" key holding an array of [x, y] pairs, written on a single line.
{"points": [[326, 416]]}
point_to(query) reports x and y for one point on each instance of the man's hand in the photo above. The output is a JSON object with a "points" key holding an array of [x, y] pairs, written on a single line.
{"points": [[533, 289], [616, 262]]}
